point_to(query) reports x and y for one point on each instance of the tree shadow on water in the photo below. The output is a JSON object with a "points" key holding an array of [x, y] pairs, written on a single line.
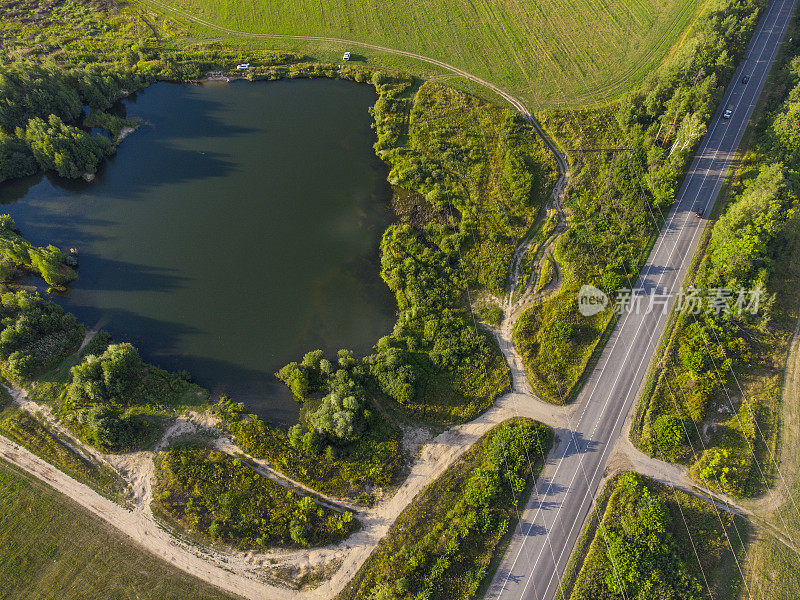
{"points": [[97, 273]]}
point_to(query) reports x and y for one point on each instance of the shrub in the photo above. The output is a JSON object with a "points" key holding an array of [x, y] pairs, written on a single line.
{"points": [[670, 435], [339, 418], [105, 378]]}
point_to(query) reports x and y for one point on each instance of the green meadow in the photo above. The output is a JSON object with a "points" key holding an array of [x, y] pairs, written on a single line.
{"points": [[546, 53]]}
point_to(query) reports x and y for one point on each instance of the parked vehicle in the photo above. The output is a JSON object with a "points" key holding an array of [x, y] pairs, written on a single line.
{"points": [[346, 56], [243, 66]]}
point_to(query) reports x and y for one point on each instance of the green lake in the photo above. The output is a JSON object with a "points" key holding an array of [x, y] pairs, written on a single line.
{"points": [[235, 230]]}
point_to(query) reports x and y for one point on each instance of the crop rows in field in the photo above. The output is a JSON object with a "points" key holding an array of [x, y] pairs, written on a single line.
{"points": [[547, 52]]}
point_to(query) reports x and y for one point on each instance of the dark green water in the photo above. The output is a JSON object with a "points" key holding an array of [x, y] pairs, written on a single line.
{"points": [[233, 232]]}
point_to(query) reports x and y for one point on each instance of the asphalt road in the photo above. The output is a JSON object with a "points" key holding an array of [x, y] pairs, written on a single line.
{"points": [[564, 495]]}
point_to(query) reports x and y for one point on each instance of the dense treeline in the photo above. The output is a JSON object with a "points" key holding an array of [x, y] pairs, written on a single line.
{"points": [[757, 232], [217, 495], [37, 106], [442, 545], [628, 159], [642, 548], [36, 334], [17, 255]]}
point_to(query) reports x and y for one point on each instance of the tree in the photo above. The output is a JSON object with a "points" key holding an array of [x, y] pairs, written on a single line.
{"points": [[742, 237], [395, 375], [379, 78], [16, 158], [105, 428], [296, 377], [35, 333], [122, 368], [340, 418], [111, 376]]}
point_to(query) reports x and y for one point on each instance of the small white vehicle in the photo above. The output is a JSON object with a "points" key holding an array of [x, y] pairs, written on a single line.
{"points": [[243, 66], [346, 56], [727, 114]]}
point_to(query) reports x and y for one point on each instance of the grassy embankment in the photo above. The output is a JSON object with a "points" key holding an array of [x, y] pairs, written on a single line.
{"points": [[650, 541], [628, 159], [53, 549], [447, 542]]}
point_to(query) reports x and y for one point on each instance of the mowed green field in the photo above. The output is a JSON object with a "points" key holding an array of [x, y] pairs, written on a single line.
{"points": [[50, 548], [546, 52]]}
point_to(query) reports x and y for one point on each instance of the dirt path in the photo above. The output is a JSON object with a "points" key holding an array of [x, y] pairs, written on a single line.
{"points": [[253, 575], [789, 459]]}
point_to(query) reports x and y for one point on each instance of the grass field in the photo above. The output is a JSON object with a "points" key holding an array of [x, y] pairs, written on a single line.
{"points": [[682, 531], [545, 52], [772, 571], [53, 549]]}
